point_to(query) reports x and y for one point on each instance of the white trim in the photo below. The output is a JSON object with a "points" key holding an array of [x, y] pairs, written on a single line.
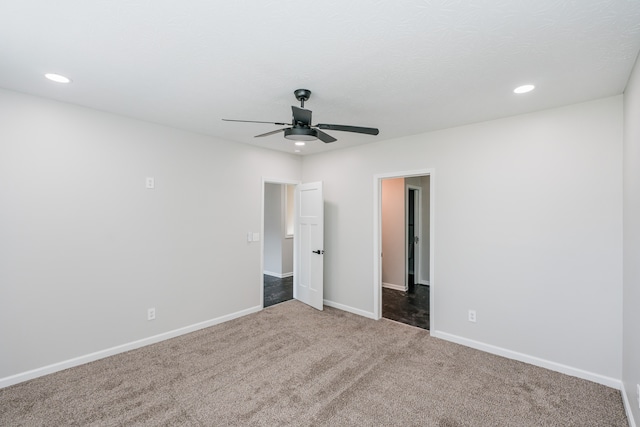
{"points": [[532, 360], [278, 275], [394, 286], [423, 282], [81, 360], [627, 406], [349, 309]]}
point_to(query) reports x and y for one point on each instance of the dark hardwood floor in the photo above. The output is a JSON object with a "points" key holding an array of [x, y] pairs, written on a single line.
{"points": [[410, 307], [277, 290]]}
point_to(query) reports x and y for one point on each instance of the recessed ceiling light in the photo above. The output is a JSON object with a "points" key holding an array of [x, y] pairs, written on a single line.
{"points": [[57, 78], [296, 151], [300, 143], [524, 89]]}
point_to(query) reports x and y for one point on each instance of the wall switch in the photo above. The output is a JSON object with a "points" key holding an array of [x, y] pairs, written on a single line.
{"points": [[638, 390], [150, 182], [151, 314], [256, 237], [249, 237], [472, 316]]}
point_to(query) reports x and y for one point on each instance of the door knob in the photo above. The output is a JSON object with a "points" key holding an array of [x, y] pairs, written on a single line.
{"points": [[319, 252]]}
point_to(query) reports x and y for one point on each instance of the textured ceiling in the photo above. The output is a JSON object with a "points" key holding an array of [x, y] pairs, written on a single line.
{"points": [[404, 66]]}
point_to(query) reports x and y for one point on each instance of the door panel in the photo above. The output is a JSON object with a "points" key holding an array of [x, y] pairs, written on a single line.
{"points": [[309, 245]]}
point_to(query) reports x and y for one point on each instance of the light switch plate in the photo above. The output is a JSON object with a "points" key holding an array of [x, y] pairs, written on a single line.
{"points": [[256, 237]]}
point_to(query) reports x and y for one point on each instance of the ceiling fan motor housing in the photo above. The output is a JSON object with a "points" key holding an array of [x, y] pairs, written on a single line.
{"points": [[300, 134]]}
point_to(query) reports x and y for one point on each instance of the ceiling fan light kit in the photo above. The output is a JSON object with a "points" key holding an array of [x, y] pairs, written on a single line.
{"points": [[301, 128], [300, 134]]}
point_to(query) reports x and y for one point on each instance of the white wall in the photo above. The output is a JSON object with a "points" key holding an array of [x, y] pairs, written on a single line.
{"points": [[85, 249], [287, 257], [393, 233], [631, 309], [528, 230], [278, 249], [288, 213], [273, 229]]}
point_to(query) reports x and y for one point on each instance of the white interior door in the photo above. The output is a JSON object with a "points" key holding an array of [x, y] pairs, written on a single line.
{"points": [[308, 258]]}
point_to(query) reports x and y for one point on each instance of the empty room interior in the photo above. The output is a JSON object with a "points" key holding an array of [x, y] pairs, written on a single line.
{"points": [[143, 191]]}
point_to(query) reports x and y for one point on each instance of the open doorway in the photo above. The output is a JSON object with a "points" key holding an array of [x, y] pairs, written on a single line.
{"points": [[278, 243], [405, 245], [293, 242]]}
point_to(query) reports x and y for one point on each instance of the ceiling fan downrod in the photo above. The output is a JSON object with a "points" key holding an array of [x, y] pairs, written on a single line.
{"points": [[302, 95]]}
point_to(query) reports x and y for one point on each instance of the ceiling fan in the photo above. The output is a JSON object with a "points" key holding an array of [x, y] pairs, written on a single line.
{"points": [[301, 128]]}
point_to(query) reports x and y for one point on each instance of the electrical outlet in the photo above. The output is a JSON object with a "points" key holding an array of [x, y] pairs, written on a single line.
{"points": [[472, 316], [150, 182], [151, 314]]}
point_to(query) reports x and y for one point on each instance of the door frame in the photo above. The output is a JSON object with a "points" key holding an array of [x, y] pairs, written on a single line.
{"points": [[377, 238], [266, 180], [417, 231]]}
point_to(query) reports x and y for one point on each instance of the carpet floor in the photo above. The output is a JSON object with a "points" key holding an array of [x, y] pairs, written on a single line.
{"points": [[292, 365]]}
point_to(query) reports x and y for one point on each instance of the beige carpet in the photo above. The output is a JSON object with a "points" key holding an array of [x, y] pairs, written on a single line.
{"points": [[292, 365]]}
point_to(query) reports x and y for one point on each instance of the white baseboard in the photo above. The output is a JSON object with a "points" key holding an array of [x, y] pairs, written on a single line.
{"points": [[510, 354], [627, 407], [394, 286], [81, 360], [532, 360], [278, 275], [423, 282], [349, 309]]}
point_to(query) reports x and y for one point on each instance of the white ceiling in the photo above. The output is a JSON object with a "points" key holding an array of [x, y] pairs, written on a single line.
{"points": [[404, 66]]}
